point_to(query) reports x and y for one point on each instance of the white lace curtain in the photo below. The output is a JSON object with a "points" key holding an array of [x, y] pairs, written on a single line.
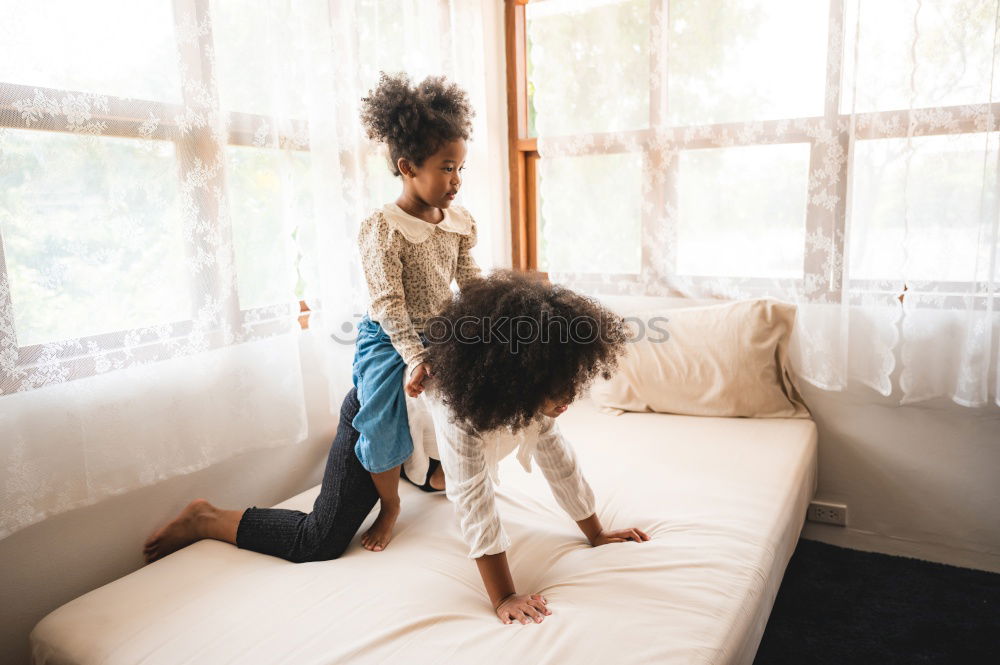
{"points": [[174, 178], [838, 154]]}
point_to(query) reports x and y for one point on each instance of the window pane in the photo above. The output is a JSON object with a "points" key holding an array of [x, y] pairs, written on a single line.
{"points": [[592, 221], [268, 199], [126, 49], [92, 234], [589, 65], [951, 60], [742, 211], [261, 63], [938, 206], [753, 60]]}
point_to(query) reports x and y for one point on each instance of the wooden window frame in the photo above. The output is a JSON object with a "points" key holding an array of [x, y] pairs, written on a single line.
{"points": [[524, 156], [522, 150]]}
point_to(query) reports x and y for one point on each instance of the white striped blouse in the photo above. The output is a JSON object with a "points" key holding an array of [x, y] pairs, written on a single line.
{"points": [[471, 460]]}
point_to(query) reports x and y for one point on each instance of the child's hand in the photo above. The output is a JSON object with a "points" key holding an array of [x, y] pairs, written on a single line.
{"points": [[522, 608], [619, 536], [414, 386]]}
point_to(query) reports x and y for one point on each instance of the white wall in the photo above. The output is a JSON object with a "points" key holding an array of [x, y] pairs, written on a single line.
{"points": [[919, 480]]}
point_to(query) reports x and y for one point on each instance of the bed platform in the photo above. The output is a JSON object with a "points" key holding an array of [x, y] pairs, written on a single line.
{"points": [[723, 500]]}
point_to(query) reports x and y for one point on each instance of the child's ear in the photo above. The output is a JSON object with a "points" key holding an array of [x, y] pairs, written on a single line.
{"points": [[404, 166]]}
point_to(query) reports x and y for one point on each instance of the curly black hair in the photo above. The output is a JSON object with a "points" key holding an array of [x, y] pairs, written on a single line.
{"points": [[415, 121], [510, 341]]}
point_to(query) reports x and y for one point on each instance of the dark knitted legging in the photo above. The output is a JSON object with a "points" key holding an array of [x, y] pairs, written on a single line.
{"points": [[348, 495]]}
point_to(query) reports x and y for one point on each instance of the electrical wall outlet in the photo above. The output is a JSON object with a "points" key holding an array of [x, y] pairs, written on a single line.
{"points": [[828, 513]]}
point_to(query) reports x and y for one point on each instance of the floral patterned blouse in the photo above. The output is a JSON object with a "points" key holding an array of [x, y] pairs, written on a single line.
{"points": [[409, 265]]}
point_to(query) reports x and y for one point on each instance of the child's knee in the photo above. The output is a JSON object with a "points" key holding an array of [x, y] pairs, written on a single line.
{"points": [[351, 405], [321, 550], [321, 554]]}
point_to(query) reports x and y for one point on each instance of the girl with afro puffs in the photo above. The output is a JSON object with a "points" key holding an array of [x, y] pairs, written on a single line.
{"points": [[490, 395], [412, 249], [510, 354]]}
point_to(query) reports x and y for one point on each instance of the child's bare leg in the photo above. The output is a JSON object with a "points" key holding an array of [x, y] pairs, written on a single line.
{"points": [[198, 520], [437, 478], [378, 536]]}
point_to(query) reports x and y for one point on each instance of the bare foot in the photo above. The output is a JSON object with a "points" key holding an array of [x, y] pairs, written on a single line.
{"points": [[185, 529], [437, 478], [378, 536]]}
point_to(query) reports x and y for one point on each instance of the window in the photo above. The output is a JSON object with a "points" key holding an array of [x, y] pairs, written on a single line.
{"points": [[114, 190], [79, 240], [724, 148]]}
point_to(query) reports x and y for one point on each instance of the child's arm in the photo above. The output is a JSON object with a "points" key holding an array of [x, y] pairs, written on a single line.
{"points": [[470, 489], [571, 490], [415, 383], [467, 269], [508, 605], [595, 533]]}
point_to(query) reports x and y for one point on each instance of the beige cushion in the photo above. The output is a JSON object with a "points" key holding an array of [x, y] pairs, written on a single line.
{"points": [[729, 359]]}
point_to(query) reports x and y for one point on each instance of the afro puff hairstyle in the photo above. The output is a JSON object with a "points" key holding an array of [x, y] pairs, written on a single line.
{"points": [[509, 342], [415, 121]]}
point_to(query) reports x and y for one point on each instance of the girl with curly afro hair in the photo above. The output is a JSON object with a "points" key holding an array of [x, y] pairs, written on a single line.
{"points": [[510, 353], [412, 249]]}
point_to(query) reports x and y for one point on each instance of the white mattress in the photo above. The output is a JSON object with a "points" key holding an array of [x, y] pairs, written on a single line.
{"points": [[723, 500]]}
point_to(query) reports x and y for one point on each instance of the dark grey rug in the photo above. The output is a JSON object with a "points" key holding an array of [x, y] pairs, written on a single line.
{"points": [[847, 607]]}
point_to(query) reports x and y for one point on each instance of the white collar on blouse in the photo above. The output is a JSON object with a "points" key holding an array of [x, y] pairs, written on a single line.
{"points": [[456, 219]]}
